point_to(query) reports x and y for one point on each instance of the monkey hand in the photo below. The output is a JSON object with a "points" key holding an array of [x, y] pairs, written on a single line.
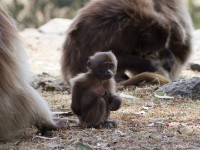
{"points": [[106, 96], [47, 130], [115, 104]]}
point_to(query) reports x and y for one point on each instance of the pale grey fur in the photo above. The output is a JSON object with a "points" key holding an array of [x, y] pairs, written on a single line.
{"points": [[20, 105]]}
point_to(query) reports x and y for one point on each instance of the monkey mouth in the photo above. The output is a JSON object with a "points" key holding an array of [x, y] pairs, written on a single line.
{"points": [[105, 76]]}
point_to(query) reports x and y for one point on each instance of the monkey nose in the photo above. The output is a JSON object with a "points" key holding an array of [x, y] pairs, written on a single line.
{"points": [[109, 72]]}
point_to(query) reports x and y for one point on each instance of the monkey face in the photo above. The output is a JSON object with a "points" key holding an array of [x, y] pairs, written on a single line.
{"points": [[145, 37], [164, 58], [103, 65], [152, 37], [102, 69], [106, 70], [167, 59]]}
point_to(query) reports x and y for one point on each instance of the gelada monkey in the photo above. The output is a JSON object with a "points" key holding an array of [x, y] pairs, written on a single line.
{"points": [[20, 105], [94, 92], [131, 29], [163, 60]]}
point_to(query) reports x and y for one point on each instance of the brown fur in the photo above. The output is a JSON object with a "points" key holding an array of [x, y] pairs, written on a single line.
{"points": [[20, 105], [163, 59], [145, 76], [130, 28], [94, 92]]}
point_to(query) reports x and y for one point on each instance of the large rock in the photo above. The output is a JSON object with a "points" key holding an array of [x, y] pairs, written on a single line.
{"points": [[56, 26], [184, 87]]}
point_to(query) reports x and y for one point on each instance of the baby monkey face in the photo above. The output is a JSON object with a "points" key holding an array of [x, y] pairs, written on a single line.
{"points": [[103, 65]]}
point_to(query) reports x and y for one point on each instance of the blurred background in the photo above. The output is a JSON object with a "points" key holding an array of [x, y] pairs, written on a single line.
{"points": [[34, 13]]}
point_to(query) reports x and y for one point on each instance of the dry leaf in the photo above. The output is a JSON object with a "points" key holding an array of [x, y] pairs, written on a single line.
{"points": [[128, 96], [163, 96]]}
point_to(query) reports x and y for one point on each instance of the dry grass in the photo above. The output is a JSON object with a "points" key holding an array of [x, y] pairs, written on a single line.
{"points": [[144, 123]]}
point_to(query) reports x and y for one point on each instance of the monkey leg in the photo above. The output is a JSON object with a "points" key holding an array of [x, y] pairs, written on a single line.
{"points": [[113, 102], [109, 124], [40, 114], [145, 76], [46, 130], [94, 114], [24, 108]]}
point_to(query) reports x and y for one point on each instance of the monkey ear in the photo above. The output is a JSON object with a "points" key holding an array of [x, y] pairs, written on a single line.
{"points": [[178, 32], [89, 63]]}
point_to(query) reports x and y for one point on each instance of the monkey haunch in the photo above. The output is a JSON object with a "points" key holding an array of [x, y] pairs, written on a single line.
{"points": [[20, 105], [131, 29], [94, 92]]}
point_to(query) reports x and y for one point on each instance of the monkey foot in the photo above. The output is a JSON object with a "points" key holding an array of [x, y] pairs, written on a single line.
{"points": [[105, 124], [109, 124], [61, 124], [46, 130]]}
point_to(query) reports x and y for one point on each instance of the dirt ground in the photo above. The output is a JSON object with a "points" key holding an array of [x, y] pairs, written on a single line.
{"points": [[144, 122]]}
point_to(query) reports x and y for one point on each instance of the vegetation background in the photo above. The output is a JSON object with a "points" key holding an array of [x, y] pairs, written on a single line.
{"points": [[37, 12]]}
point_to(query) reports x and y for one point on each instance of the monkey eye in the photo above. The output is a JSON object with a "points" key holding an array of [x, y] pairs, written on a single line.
{"points": [[89, 63], [146, 36], [109, 65]]}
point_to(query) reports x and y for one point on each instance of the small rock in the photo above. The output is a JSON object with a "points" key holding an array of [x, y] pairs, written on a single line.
{"points": [[54, 146], [168, 135], [134, 129], [122, 95], [118, 132], [145, 108], [184, 87], [140, 113], [115, 141], [81, 146]]}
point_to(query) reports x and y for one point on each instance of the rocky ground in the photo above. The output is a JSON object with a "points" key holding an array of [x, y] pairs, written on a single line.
{"points": [[146, 120]]}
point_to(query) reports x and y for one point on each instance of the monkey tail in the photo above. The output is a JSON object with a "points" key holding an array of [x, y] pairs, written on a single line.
{"points": [[146, 76]]}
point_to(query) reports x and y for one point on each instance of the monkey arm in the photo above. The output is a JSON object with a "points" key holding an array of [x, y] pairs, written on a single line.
{"points": [[82, 98], [115, 104], [112, 100], [181, 35], [89, 97], [135, 63], [181, 51], [110, 96], [76, 98]]}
